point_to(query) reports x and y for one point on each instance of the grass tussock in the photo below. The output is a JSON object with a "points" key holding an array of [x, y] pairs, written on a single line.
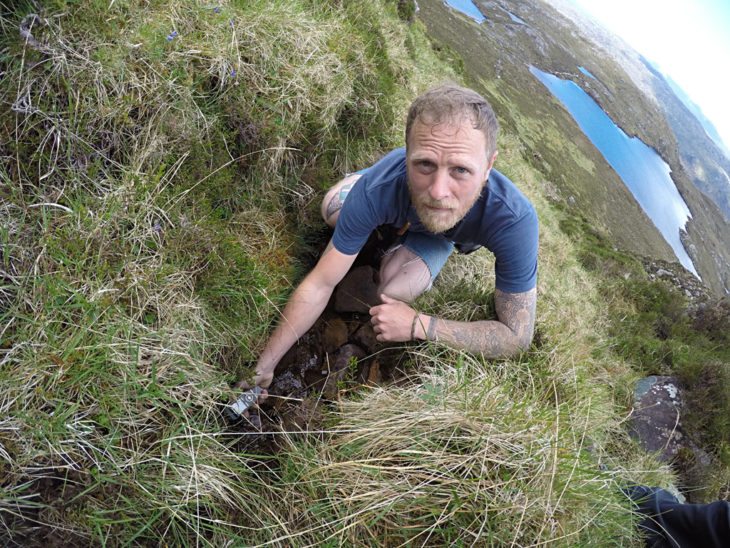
{"points": [[452, 458], [157, 162]]}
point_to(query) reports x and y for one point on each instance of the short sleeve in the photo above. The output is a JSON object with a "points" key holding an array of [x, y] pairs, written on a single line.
{"points": [[356, 221], [515, 250]]}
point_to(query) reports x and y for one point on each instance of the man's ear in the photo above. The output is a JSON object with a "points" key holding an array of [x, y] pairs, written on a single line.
{"points": [[491, 161], [489, 166]]}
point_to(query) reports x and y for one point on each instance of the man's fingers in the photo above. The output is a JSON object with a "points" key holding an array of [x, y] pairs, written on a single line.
{"points": [[242, 385], [386, 299]]}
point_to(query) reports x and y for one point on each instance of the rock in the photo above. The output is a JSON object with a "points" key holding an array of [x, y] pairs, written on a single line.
{"points": [[357, 292], [365, 337], [346, 357], [334, 335], [311, 363], [304, 356], [254, 420], [656, 424], [332, 384], [369, 373], [286, 384], [656, 418], [374, 375]]}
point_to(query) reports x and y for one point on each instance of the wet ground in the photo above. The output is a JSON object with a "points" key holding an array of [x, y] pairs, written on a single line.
{"points": [[337, 355]]}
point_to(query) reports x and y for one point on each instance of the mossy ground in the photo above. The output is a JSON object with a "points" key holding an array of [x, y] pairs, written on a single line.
{"points": [[161, 168]]}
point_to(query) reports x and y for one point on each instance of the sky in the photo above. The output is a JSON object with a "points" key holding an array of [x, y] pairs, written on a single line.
{"points": [[688, 39]]}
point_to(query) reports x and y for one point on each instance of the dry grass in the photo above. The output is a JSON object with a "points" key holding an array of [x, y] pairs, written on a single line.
{"points": [[453, 457]]}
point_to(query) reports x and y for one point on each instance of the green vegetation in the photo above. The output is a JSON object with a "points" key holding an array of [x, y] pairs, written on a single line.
{"points": [[161, 167]]}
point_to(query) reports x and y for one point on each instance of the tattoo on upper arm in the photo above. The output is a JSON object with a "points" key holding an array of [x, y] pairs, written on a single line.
{"points": [[338, 200]]}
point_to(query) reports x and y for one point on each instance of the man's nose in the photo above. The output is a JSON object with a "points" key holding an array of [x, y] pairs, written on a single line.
{"points": [[439, 189]]}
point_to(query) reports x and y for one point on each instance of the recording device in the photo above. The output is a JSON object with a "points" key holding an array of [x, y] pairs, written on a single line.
{"points": [[235, 410]]}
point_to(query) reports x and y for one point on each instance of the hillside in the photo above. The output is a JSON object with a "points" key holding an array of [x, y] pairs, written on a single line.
{"points": [[161, 169], [696, 161]]}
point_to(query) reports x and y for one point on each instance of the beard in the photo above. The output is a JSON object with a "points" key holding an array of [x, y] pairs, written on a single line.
{"points": [[449, 214]]}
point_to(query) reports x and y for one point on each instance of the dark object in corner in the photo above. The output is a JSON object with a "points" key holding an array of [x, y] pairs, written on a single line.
{"points": [[669, 523]]}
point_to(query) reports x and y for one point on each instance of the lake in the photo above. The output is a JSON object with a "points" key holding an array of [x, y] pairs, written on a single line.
{"points": [[587, 72], [467, 7], [643, 171]]}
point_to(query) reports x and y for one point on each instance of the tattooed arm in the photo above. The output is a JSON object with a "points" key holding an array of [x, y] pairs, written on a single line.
{"points": [[506, 337], [393, 321]]}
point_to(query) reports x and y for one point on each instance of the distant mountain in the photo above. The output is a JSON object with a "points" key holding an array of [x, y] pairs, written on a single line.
{"points": [[707, 164], [693, 107]]}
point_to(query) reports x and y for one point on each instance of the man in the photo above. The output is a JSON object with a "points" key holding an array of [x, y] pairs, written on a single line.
{"points": [[441, 192]]}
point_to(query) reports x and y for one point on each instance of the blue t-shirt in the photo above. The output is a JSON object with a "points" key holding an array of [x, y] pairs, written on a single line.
{"points": [[502, 220]]}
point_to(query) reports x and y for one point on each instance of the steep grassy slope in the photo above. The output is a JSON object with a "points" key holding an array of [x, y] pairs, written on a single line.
{"points": [[161, 167]]}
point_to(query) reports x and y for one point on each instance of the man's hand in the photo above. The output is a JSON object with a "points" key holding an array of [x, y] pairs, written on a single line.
{"points": [[263, 380], [392, 321]]}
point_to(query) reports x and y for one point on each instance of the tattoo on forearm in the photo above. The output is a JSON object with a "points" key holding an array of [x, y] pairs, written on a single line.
{"points": [[494, 339]]}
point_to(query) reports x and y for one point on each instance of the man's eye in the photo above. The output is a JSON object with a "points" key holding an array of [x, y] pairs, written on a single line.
{"points": [[462, 170]]}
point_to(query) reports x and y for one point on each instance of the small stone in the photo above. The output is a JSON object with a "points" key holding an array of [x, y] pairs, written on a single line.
{"points": [[346, 357], [332, 384], [374, 375], [254, 420], [286, 384], [365, 337], [348, 354]]}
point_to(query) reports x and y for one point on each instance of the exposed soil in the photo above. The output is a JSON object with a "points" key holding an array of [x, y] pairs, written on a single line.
{"points": [[338, 354]]}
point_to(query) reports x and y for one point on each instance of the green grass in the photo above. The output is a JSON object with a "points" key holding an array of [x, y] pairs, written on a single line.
{"points": [[156, 210]]}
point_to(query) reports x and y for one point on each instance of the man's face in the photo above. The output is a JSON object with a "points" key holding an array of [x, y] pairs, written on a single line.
{"points": [[447, 168]]}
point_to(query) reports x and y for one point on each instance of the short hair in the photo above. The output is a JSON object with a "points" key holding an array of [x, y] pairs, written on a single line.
{"points": [[449, 103]]}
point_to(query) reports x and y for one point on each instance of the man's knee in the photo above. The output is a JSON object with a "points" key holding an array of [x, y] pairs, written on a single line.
{"points": [[334, 199], [403, 275]]}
